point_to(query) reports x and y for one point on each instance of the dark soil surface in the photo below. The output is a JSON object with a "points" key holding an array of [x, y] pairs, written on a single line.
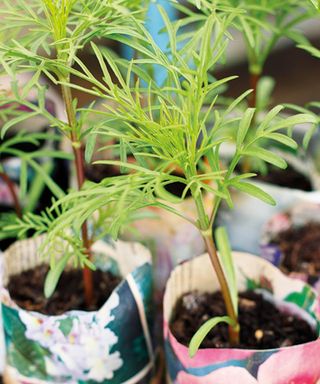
{"points": [[286, 178], [263, 326], [301, 248], [26, 289]]}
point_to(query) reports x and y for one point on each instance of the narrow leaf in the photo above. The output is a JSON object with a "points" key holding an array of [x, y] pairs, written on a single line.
{"points": [[291, 121], [254, 191], [54, 187], [307, 137], [247, 32], [267, 156], [90, 145], [54, 274], [245, 125], [225, 254], [312, 50], [283, 139], [269, 117], [202, 332], [12, 122]]}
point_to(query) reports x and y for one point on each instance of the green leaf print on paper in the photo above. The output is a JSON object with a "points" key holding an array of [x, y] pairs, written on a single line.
{"points": [[304, 299], [27, 356], [66, 325], [262, 283]]}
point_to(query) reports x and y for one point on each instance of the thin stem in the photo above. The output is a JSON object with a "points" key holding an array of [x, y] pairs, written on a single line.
{"points": [[203, 217], [218, 199], [254, 80], [206, 231], [216, 203], [13, 193], [79, 165], [234, 335]]}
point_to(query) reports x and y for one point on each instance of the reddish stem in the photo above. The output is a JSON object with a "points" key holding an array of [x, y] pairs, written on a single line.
{"points": [[13, 193], [87, 273], [254, 79], [234, 335], [79, 166]]}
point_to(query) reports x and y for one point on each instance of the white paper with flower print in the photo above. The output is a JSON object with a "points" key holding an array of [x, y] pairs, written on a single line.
{"points": [[79, 349]]}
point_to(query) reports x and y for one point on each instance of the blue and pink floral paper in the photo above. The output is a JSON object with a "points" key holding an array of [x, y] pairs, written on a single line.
{"points": [[288, 365]]}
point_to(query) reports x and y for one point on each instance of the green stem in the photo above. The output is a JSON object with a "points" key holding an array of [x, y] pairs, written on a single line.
{"points": [[216, 205], [234, 332], [206, 231], [79, 166]]}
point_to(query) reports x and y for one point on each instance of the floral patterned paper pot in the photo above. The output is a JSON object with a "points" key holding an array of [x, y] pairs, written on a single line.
{"points": [[256, 213], [296, 364], [111, 345], [298, 216]]}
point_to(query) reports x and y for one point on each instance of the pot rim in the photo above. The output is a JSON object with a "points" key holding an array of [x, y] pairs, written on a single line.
{"points": [[99, 246], [277, 272], [249, 350]]}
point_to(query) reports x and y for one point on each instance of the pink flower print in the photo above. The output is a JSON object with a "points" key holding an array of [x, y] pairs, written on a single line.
{"points": [[44, 330], [294, 365], [279, 223], [228, 375], [204, 357]]}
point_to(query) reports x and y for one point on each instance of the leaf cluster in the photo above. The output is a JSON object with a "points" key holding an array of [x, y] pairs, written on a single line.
{"points": [[167, 125], [170, 131], [261, 23], [60, 28], [44, 38]]}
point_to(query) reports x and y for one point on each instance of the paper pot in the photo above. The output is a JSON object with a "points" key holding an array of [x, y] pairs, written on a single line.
{"points": [[255, 213], [298, 215], [111, 345], [297, 364]]}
